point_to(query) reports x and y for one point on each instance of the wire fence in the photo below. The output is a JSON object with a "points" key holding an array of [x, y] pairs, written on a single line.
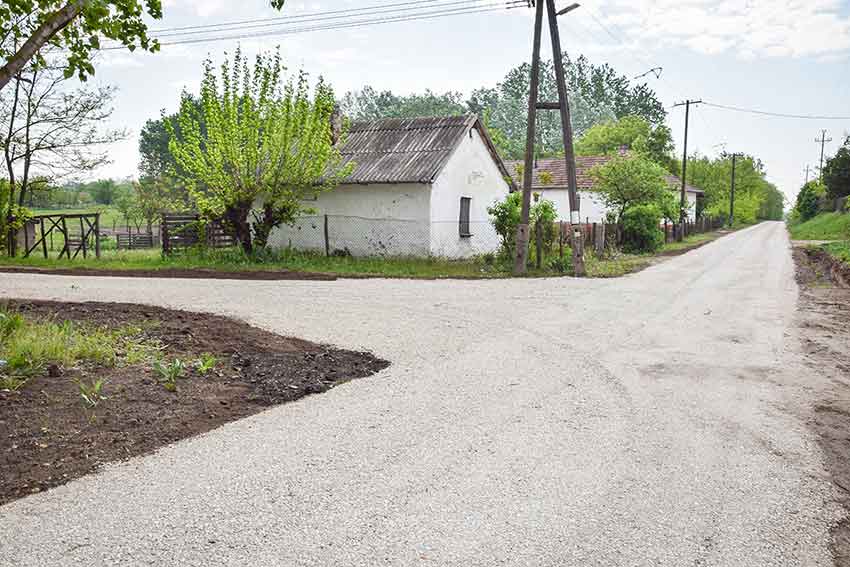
{"points": [[344, 235]]}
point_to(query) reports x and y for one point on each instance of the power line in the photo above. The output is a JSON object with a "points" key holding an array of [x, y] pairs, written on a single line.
{"points": [[776, 114], [405, 17], [309, 18]]}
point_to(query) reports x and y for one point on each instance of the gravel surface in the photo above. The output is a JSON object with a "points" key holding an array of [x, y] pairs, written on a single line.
{"points": [[656, 419]]}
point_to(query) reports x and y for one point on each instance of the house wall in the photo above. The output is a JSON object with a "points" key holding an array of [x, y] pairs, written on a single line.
{"points": [[591, 206], [470, 172], [366, 220]]}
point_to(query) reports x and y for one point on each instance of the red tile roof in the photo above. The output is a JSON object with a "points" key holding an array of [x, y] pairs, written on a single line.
{"points": [[558, 168]]}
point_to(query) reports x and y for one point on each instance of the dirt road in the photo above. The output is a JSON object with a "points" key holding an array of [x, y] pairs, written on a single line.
{"points": [[659, 419]]}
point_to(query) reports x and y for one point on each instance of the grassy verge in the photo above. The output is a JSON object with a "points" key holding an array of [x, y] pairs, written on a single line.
{"points": [[233, 260], [28, 348], [839, 250], [826, 226]]}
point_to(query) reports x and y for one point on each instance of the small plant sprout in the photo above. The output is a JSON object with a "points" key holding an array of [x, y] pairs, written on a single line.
{"points": [[91, 394], [169, 373], [205, 364]]}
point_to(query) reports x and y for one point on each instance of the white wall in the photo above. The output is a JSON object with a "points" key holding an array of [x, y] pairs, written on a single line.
{"points": [[591, 205], [470, 172], [375, 219]]}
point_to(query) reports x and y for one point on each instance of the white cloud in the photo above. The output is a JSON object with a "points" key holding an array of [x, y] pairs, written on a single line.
{"points": [[750, 29]]}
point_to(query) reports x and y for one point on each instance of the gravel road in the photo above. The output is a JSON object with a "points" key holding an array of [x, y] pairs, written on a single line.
{"points": [[656, 419]]}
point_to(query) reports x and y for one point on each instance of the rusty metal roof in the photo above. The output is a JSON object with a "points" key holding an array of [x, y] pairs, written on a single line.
{"points": [[407, 150], [557, 167]]}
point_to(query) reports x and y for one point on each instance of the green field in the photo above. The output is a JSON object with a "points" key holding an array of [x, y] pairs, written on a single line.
{"points": [[109, 216], [826, 226]]}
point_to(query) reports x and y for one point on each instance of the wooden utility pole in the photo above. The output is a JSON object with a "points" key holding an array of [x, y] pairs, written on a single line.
{"points": [[807, 175], [563, 105], [680, 234], [732, 194], [822, 141]]}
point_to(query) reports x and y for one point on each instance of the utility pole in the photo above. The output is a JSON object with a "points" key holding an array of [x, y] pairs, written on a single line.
{"points": [[822, 141], [563, 105], [732, 194], [683, 204], [807, 175]]}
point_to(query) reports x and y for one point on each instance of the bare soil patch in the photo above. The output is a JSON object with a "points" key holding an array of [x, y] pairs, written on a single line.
{"points": [[49, 437], [824, 309]]}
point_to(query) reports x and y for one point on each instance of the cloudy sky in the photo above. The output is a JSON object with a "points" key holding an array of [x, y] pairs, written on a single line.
{"points": [[785, 56]]}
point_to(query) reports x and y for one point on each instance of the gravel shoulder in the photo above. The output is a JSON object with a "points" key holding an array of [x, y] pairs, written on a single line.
{"points": [[663, 418]]}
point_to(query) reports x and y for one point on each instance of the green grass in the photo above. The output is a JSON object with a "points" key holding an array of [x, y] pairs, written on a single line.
{"points": [[826, 226], [29, 346], [108, 214], [233, 260], [839, 250]]}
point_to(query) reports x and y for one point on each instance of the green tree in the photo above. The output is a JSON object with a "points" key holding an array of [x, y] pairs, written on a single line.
{"points": [[75, 26], [807, 200], [836, 172], [625, 182], [265, 143], [369, 104], [633, 133], [597, 94]]}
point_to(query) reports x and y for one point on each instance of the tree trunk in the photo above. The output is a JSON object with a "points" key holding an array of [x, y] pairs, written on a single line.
{"points": [[45, 32], [237, 217], [264, 226]]}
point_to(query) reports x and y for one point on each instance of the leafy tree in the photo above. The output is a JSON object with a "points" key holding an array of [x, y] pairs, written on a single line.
{"points": [[597, 94], [625, 182], [836, 172], [50, 130], [153, 196], [633, 133], [752, 190], [75, 26], [265, 143], [369, 104], [807, 205]]}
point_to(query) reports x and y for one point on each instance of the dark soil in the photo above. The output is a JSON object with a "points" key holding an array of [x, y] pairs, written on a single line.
{"points": [[188, 273], [824, 310], [49, 437]]}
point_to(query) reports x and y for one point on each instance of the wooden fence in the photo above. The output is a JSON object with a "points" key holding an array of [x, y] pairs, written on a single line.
{"points": [[42, 227], [181, 231], [599, 236]]}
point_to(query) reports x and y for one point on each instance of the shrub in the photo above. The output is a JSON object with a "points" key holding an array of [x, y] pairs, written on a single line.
{"points": [[807, 200], [505, 216], [641, 232]]}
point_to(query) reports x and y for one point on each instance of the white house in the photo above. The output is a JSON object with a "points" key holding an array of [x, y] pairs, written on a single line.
{"points": [[419, 187], [591, 207]]}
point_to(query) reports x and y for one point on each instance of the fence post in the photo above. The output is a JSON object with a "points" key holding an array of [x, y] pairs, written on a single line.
{"points": [[538, 237], [599, 239], [327, 241], [97, 235], [164, 230], [561, 240]]}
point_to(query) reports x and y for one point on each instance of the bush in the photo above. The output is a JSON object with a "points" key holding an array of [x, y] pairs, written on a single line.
{"points": [[641, 232], [808, 200], [505, 216]]}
